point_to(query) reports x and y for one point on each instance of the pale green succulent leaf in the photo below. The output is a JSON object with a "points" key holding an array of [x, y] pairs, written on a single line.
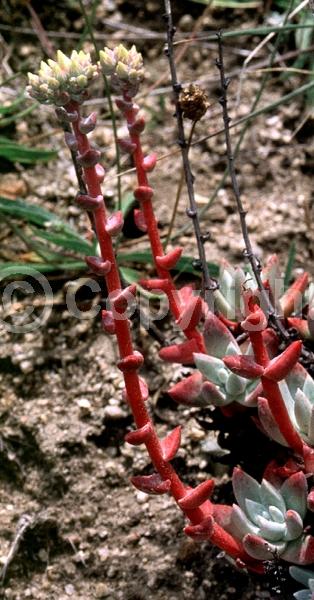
{"points": [[255, 510], [302, 410], [294, 492], [269, 424], [241, 525], [235, 385], [209, 366], [303, 595], [270, 530], [271, 496], [276, 514], [301, 575], [244, 488], [294, 525], [264, 550], [311, 428], [308, 388]]}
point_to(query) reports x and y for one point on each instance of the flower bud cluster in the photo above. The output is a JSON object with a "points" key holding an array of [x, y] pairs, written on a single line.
{"points": [[125, 68], [63, 80]]}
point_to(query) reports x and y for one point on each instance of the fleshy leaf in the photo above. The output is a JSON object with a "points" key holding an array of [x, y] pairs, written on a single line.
{"points": [[244, 486], [294, 525], [270, 496], [294, 492], [209, 366], [217, 336], [258, 548]]}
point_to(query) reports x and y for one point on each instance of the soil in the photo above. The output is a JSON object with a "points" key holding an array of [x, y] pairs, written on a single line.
{"points": [[71, 524]]}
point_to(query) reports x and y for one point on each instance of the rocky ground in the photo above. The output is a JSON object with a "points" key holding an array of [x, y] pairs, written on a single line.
{"points": [[71, 525]]}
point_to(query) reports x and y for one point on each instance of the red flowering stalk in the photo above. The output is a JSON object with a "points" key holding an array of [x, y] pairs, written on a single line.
{"points": [[120, 65], [270, 373], [65, 83]]}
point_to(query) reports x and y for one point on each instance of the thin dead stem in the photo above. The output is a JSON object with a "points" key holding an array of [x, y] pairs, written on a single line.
{"points": [[209, 284], [274, 319], [179, 191]]}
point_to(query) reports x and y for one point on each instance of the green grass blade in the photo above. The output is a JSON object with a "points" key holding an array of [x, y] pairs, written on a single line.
{"points": [[78, 245], [30, 213], [19, 153], [290, 264], [184, 264], [10, 108], [18, 115], [14, 269]]}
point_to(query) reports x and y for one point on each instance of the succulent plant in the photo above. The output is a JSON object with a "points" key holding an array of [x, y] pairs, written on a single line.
{"points": [[229, 295], [269, 520], [306, 577], [226, 386], [233, 282], [125, 68], [297, 391], [65, 79]]}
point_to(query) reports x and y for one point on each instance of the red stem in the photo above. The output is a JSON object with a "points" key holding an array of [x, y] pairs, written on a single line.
{"points": [[273, 394], [132, 383], [152, 227]]}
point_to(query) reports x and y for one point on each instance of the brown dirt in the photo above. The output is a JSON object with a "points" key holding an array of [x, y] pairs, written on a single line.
{"points": [[64, 463]]}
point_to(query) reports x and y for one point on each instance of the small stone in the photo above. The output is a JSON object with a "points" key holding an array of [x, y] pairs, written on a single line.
{"points": [[141, 497], [69, 589], [26, 366], [84, 406], [103, 534], [103, 553], [186, 23], [114, 413], [102, 590], [43, 555]]}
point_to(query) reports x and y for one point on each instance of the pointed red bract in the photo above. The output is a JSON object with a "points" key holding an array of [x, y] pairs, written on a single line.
{"points": [[192, 314], [132, 362], [151, 484], [139, 220], [149, 162], [139, 436], [187, 391], [291, 300], [168, 261], [170, 444], [122, 299], [114, 223], [97, 265], [202, 531], [283, 364], [180, 353], [155, 284], [197, 496], [245, 366], [107, 322], [88, 124], [89, 202], [301, 325], [143, 193]]}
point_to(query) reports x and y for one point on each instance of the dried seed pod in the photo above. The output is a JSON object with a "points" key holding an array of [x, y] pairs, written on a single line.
{"points": [[193, 102]]}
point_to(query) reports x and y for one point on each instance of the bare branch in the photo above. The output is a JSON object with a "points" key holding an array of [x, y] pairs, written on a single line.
{"points": [[209, 284]]}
